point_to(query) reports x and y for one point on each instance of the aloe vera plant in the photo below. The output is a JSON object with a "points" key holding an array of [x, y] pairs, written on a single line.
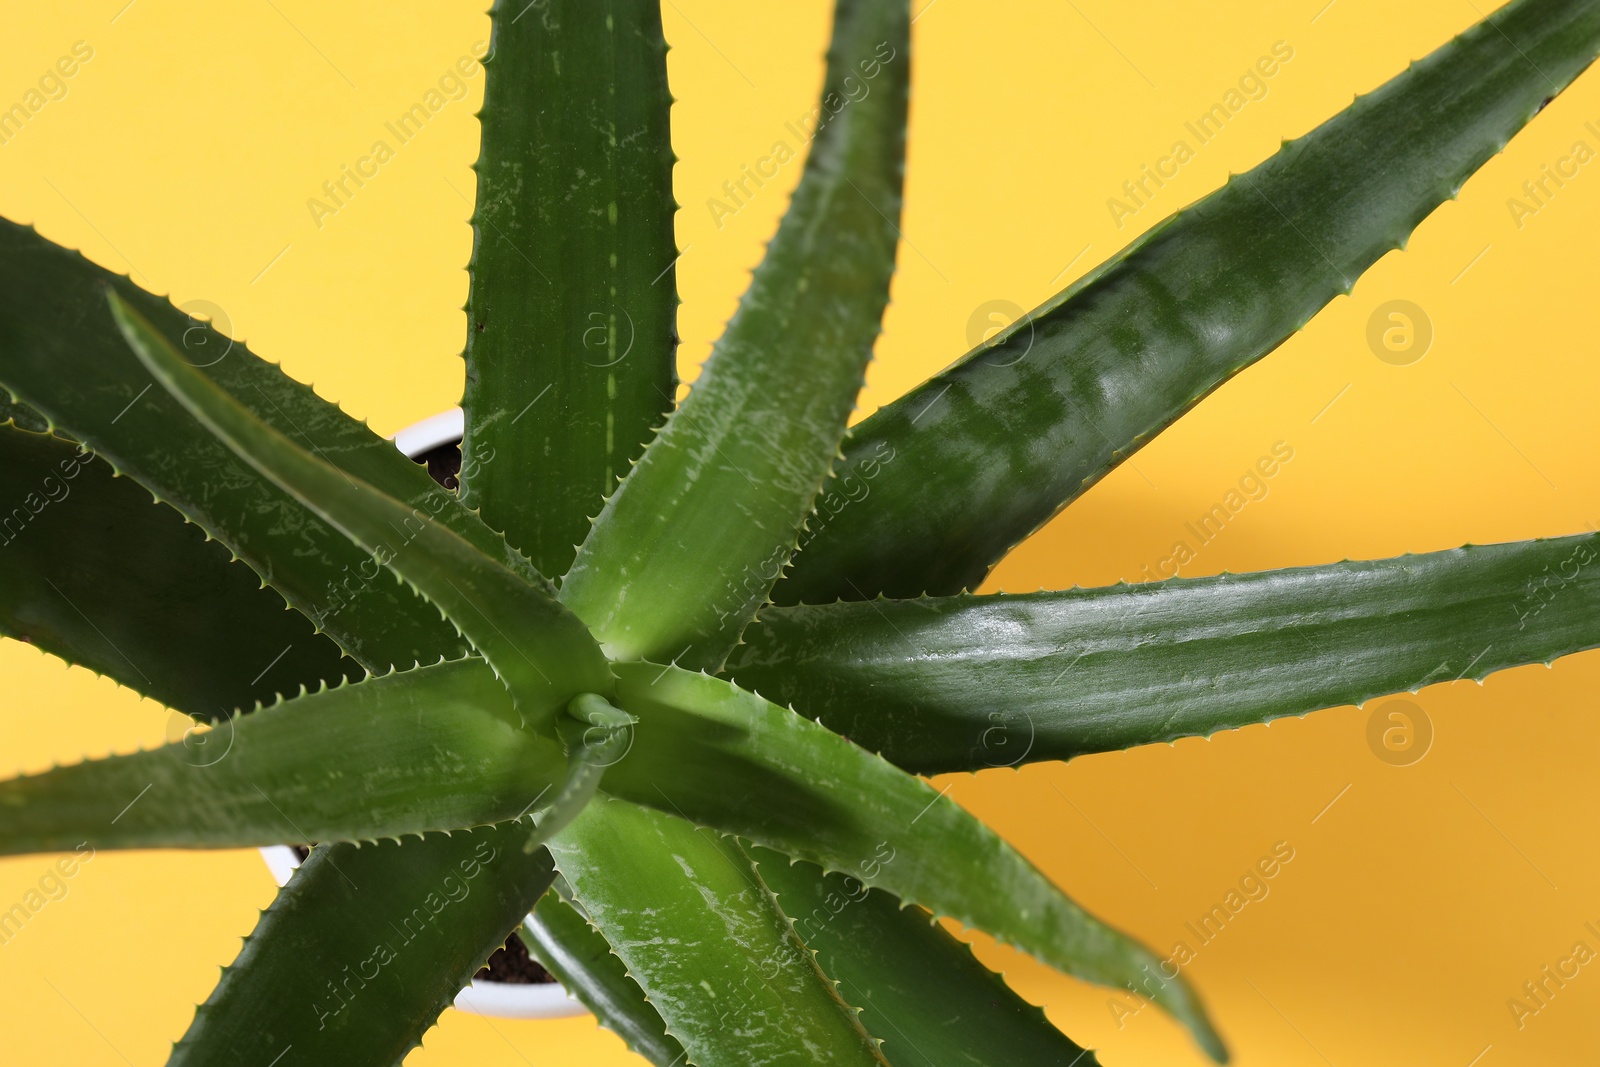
{"points": [[650, 688]]}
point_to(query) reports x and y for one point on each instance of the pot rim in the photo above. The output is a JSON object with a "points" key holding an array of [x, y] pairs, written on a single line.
{"points": [[447, 427]]}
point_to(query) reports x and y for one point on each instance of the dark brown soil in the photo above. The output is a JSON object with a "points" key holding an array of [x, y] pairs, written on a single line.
{"points": [[510, 963], [444, 464]]}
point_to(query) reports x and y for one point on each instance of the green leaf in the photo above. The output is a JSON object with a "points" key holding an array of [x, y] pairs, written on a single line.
{"points": [[923, 992], [537, 648], [706, 942], [984, 681], [571, 338], [436, 748], [363, 949], [21, 415], [741, 423], [687, 549], [580, 958], [596, 735], [62, 353], [724, 758], [202, 630], [94, 572], [954, 473]]}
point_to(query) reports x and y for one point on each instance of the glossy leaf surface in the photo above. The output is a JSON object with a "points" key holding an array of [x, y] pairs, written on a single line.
{"points": [[953, 474], [964, 683], [436, 748], [579, 956], [708, 945], [95, 572], [538, 649], [189, 658], [361, 991], [922, 991], [570, 344], [61, 351], [724, 758], [687, 549]]}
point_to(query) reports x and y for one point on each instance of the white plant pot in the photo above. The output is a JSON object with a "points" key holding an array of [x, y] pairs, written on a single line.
{"points": [[500, 1000]]}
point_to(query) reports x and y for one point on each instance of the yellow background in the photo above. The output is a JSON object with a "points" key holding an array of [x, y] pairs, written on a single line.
{"points": [[1415, 906]]}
